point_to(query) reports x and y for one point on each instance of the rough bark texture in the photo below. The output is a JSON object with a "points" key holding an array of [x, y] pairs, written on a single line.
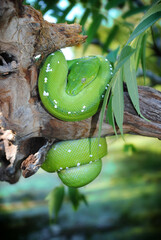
{"points": [[27, 130]]}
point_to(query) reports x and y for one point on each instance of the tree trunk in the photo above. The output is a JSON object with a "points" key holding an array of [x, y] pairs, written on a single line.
{"points": [[27, 130]]}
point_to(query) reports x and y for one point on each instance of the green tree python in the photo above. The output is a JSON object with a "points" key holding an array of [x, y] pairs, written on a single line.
{"points": [[72, 91]]}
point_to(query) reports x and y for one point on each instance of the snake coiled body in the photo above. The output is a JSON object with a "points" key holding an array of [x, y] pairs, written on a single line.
{"points": [[73, 91]]}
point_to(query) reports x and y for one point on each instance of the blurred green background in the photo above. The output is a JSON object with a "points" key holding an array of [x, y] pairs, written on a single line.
{"points": [[124, 202]]}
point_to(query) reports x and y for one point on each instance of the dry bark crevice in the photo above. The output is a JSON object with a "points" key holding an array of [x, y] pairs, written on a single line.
{"points": [[26, 128]]}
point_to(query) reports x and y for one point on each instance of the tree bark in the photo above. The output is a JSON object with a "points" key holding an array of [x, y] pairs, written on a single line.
{"points": [[27, 130]]}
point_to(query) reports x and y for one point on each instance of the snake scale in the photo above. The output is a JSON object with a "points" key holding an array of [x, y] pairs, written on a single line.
{"points": [[73, 91]]}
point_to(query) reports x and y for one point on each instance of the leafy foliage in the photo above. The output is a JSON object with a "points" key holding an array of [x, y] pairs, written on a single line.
{"points": [[125, 70], [56, 197]]}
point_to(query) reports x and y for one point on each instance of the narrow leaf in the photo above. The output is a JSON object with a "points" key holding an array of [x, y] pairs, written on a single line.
{"points": [[143, 55], [110, 37], [144, 25], [134, 11], [76, 197], [55, 200], [85, 17], [114, 3], [118, 100], [130, 79], [137, 44], [103, 109], [112, 56], [126, 53], [92, 30], [110, 116]]}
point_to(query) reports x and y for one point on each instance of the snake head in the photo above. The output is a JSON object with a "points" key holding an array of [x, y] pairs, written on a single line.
{"points": [[81, 73]]}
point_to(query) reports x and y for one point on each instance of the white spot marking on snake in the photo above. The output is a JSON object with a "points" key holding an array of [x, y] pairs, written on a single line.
{"points": [[77, 63], [103, 96], [78, 164], [58, 61], [69, 112], [100, 145], [45, 94], [82, 110], [91, 155], [61, 168], [55, 148], [106, 60], [45, 79], [111, 73], [66, 167], [90, 162], [106, 88], [55, 106], [111, 68], [55, 101], [69, 150], [108, 85], [84, 106], [53, 54]]}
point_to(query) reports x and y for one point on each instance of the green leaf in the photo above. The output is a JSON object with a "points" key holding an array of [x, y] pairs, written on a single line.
{"points": [[134, 11], [126, 53], [112, 56], [55, 200], [103, 108], [65, 13], [114, 3], [85, 17], [156, 7], [92, 30], [137, 44], [143, 55], [118, 100], [130, 79], [76, 197], [111, 37], [150, 17], [110, 115]]}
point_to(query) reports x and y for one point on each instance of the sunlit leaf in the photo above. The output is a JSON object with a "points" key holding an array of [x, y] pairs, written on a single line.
{"points": [[150, 17]]}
